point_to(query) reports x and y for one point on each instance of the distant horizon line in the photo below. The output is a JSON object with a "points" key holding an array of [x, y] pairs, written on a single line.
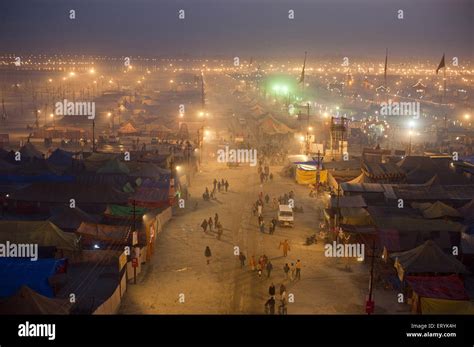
{"points": [[245, 57]]}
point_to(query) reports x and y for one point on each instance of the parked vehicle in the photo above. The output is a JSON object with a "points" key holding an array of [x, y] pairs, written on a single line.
{"points": [[285, 215]]}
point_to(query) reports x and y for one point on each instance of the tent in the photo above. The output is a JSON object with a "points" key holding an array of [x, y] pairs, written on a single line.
{"points": [[307, 174], [271, 126], [347, 201], [28, 302], [110, 234], [128, 129], [29, 151], [61, 192], [43, 233], [355, 216], [426, 258], [17, 272], [440, 210], [152, 197], [467, 211], [61, 158], [97, 160], [444, 306], [439, 294], [69, 219], [124, 211], [114, 166]]}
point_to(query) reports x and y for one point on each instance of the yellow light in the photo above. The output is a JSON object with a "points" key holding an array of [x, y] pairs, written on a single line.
{"points": [[51, 115], [72, 73], [171, 81], [310, 128], [109, 114], [467, 116], [92, 71], [178, 168], [50, 80]]}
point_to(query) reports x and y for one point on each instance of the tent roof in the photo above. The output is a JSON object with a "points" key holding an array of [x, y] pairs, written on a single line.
{"points": [[17, 272], [271, 126], [439, 287], [114, 166], [28, 302], [440, 210], [420, 169], [104, 232], [61, 192], [60, 158], [28, 150], [467, 210], [128, 128], [428, 257], [70, 218], [348, 201], [44, 233]]}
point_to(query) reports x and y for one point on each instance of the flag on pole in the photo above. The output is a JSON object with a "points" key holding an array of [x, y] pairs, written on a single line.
{"points": [[302, 71], [441, 64], [385, 69]]}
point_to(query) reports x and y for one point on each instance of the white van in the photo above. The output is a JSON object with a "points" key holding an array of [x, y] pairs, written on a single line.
{"points": [[285, 215]]}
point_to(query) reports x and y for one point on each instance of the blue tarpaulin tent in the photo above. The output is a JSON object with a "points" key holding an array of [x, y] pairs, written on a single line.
{"points": [[16, 272], [60, 158]]}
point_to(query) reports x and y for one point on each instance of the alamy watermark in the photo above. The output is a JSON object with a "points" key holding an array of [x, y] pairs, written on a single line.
{"points": [[240, 155], [19, 250], [344, 250], [69, 108], [396, 108]]}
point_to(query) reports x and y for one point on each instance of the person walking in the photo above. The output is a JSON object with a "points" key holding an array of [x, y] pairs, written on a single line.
{"points": [[274, 224], [216, 218], [285, 246], [269, 268], [282, 308], [208, 254], [271, 290], [220, 230], [226, 185], [242, 260], [259, 270], [267, 199], [286, 269], [219, 186], [252, 263], [270, 306], [209, 222], [204, 225], [215, 183], [282, 289], [271, 229], [292, 271], [298, 270]]}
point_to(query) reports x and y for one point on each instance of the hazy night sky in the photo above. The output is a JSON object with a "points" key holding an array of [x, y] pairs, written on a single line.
{"points": [[239, 27]]}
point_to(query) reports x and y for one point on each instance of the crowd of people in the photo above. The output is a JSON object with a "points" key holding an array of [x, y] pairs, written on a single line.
{"points": [[213, 225], [218, 186]]}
